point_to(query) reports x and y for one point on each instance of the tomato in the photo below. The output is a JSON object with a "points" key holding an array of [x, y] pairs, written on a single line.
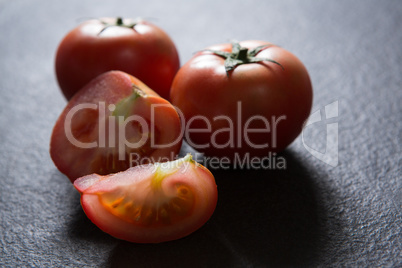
{"points": [[113, 123], [133, 46], [150, 203], [242, 99]]}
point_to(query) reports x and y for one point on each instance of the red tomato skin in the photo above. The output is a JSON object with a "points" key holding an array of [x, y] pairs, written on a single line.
{"points": [[197, 177], [146, 52], [110, 88], [202, 87]]}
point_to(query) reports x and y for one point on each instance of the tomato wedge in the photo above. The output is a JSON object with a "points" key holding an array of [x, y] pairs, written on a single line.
{"points": [[113, 123], [150, 203]]}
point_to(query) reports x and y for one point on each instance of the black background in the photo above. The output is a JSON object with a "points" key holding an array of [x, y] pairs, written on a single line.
{"points": [[310, 214]]}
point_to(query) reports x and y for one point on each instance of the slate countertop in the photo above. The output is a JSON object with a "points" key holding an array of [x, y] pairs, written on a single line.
{"points": [[337, 203]]}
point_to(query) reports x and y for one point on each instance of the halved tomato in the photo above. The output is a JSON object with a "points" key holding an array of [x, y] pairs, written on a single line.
{"points": [[113, 123], [150, 203]]}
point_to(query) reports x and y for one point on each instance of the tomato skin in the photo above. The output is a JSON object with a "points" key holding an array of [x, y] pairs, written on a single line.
{"points": [[203, 88], [196, 178], [110, 89], [145, 52]]}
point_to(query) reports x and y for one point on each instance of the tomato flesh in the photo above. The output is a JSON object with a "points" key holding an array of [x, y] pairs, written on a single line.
{"points": [[150, 203], [157, 209]]}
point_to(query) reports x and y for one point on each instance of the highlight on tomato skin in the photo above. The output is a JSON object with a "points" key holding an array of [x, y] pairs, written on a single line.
{"points": [[111, 124], [150, 203]]}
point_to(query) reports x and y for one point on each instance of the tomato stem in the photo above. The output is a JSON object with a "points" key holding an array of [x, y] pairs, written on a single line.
{"points": [[119, 21], [241, 55], [124, 107]]}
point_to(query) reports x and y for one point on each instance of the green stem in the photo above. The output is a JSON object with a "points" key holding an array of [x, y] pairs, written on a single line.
{"points": [[243, 54], [125, 106], [119, 21]]}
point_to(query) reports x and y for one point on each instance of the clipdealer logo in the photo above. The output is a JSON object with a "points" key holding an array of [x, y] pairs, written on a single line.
{"points": [[327, 115], [112, 134]]}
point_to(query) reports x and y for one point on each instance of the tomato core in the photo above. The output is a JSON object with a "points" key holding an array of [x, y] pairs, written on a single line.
{"points": [[157, 207]]}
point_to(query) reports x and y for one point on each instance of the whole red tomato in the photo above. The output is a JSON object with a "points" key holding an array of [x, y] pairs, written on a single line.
{"points": [[242, 99], [150, 203], [111, 124], [133, 46]]}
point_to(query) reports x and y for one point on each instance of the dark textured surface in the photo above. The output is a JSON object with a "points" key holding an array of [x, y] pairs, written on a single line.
{"points": [[311, 214]]}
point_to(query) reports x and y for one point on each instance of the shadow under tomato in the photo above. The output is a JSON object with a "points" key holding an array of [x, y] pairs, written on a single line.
{"points": [[81, 228], [263, 218], [271, 217], [78, 227], [200, 249]]}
